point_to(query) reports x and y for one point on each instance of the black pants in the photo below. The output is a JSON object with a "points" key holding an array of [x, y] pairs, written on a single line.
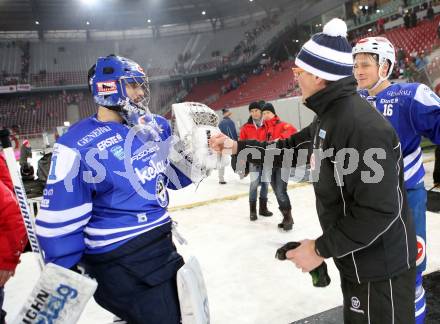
{"points": [[137, 281], [380, 302], [436, 172]]}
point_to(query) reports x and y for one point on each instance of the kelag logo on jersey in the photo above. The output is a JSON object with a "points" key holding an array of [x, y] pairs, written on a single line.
{"points": [[151, 171]]}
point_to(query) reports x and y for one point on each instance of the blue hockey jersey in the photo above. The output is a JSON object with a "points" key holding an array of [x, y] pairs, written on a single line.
{"points": [[107, 184], [414, 111]]}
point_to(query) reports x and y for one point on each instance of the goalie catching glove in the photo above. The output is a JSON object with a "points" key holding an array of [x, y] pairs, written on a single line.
{"points": [[195, 123]]}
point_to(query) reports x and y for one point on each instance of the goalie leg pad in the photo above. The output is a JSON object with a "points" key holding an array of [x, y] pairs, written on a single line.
{"points": [[193, 297], [59, 296]]}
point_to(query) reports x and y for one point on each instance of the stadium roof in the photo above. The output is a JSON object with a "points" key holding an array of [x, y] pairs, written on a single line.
{"points": [[121, 14]]}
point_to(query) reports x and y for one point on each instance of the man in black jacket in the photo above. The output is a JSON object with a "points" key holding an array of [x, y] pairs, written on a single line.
{"points": [[5, 141], [358, 180]]}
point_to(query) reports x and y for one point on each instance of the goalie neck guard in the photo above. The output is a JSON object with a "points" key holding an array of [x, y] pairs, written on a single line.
{"points": [[119, 84]]}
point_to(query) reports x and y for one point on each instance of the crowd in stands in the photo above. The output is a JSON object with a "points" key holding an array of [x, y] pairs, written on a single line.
{"points": [[182, 59], [43, 112], [248, 45], [25, 60], [409, 15], [21, 76], [271, 79], [411, 60], [42, 78], [9, 79], [414, 45], [241, 78], [363, 14], [409, 67], [241, 52], [235, 87]]}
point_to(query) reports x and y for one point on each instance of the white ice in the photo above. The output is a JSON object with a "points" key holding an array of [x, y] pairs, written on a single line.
{"points": [[246, 284]]}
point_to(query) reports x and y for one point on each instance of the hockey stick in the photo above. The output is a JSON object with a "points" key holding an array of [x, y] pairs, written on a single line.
{"points": [[20, 192], [60, 295]]}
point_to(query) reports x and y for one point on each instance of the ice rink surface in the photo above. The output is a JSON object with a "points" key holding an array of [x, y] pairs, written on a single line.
{"points": [[245, 283]]}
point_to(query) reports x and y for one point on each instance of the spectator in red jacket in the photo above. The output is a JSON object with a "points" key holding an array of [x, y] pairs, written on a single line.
{"points": [[12, 232], [254, 129], [275, 129]]}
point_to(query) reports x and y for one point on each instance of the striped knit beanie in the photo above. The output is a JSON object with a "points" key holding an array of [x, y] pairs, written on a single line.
{"points": [[328, 54]]}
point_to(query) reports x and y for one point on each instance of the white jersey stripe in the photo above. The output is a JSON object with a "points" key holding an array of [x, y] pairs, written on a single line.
{"points": [[340, 57], [53, 232], [60, 216], [311, 69], [414, 169], [92, 244], [411, 157], [108, 231]]}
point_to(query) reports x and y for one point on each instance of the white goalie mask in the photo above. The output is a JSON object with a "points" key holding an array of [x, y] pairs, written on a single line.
{"points": [[195, 123]]}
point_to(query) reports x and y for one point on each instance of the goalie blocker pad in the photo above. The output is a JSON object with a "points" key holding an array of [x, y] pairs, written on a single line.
{"points": [[59, 297], [195, 123], [193, 298]]}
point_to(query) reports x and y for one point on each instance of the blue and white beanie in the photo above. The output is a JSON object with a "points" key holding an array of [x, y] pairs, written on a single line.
{"points": [[328, 54]]}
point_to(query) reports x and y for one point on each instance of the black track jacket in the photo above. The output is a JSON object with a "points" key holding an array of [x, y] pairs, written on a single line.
{"points": [[363, 211]]}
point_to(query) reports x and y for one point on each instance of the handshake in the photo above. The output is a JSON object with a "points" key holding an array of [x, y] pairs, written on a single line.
{"points": [[221, 143], [198, 141]]}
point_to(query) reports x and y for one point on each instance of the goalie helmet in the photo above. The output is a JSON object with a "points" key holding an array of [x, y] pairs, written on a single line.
{"points": [[109, 79]]}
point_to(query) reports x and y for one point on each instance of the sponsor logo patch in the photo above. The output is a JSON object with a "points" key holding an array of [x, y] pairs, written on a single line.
{"points": [[109, 142], [142, 217], [93, 134], [145, 153], [106, 88], [151, 171], [45, 203], [118, 152], [47, 306], [421, 250], [355, 304]]}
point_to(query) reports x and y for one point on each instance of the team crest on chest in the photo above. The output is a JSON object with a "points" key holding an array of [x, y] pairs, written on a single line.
{"points": [[161, 191]]}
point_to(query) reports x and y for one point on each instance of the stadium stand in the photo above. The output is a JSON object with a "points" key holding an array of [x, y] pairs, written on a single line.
{"points": [[36, 113], [62, 63]]}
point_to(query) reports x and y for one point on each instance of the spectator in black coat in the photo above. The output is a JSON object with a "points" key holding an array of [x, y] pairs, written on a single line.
{"points": [[413, 19], [430, 12], [407, 20], [4, 137], [227, 127]]}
